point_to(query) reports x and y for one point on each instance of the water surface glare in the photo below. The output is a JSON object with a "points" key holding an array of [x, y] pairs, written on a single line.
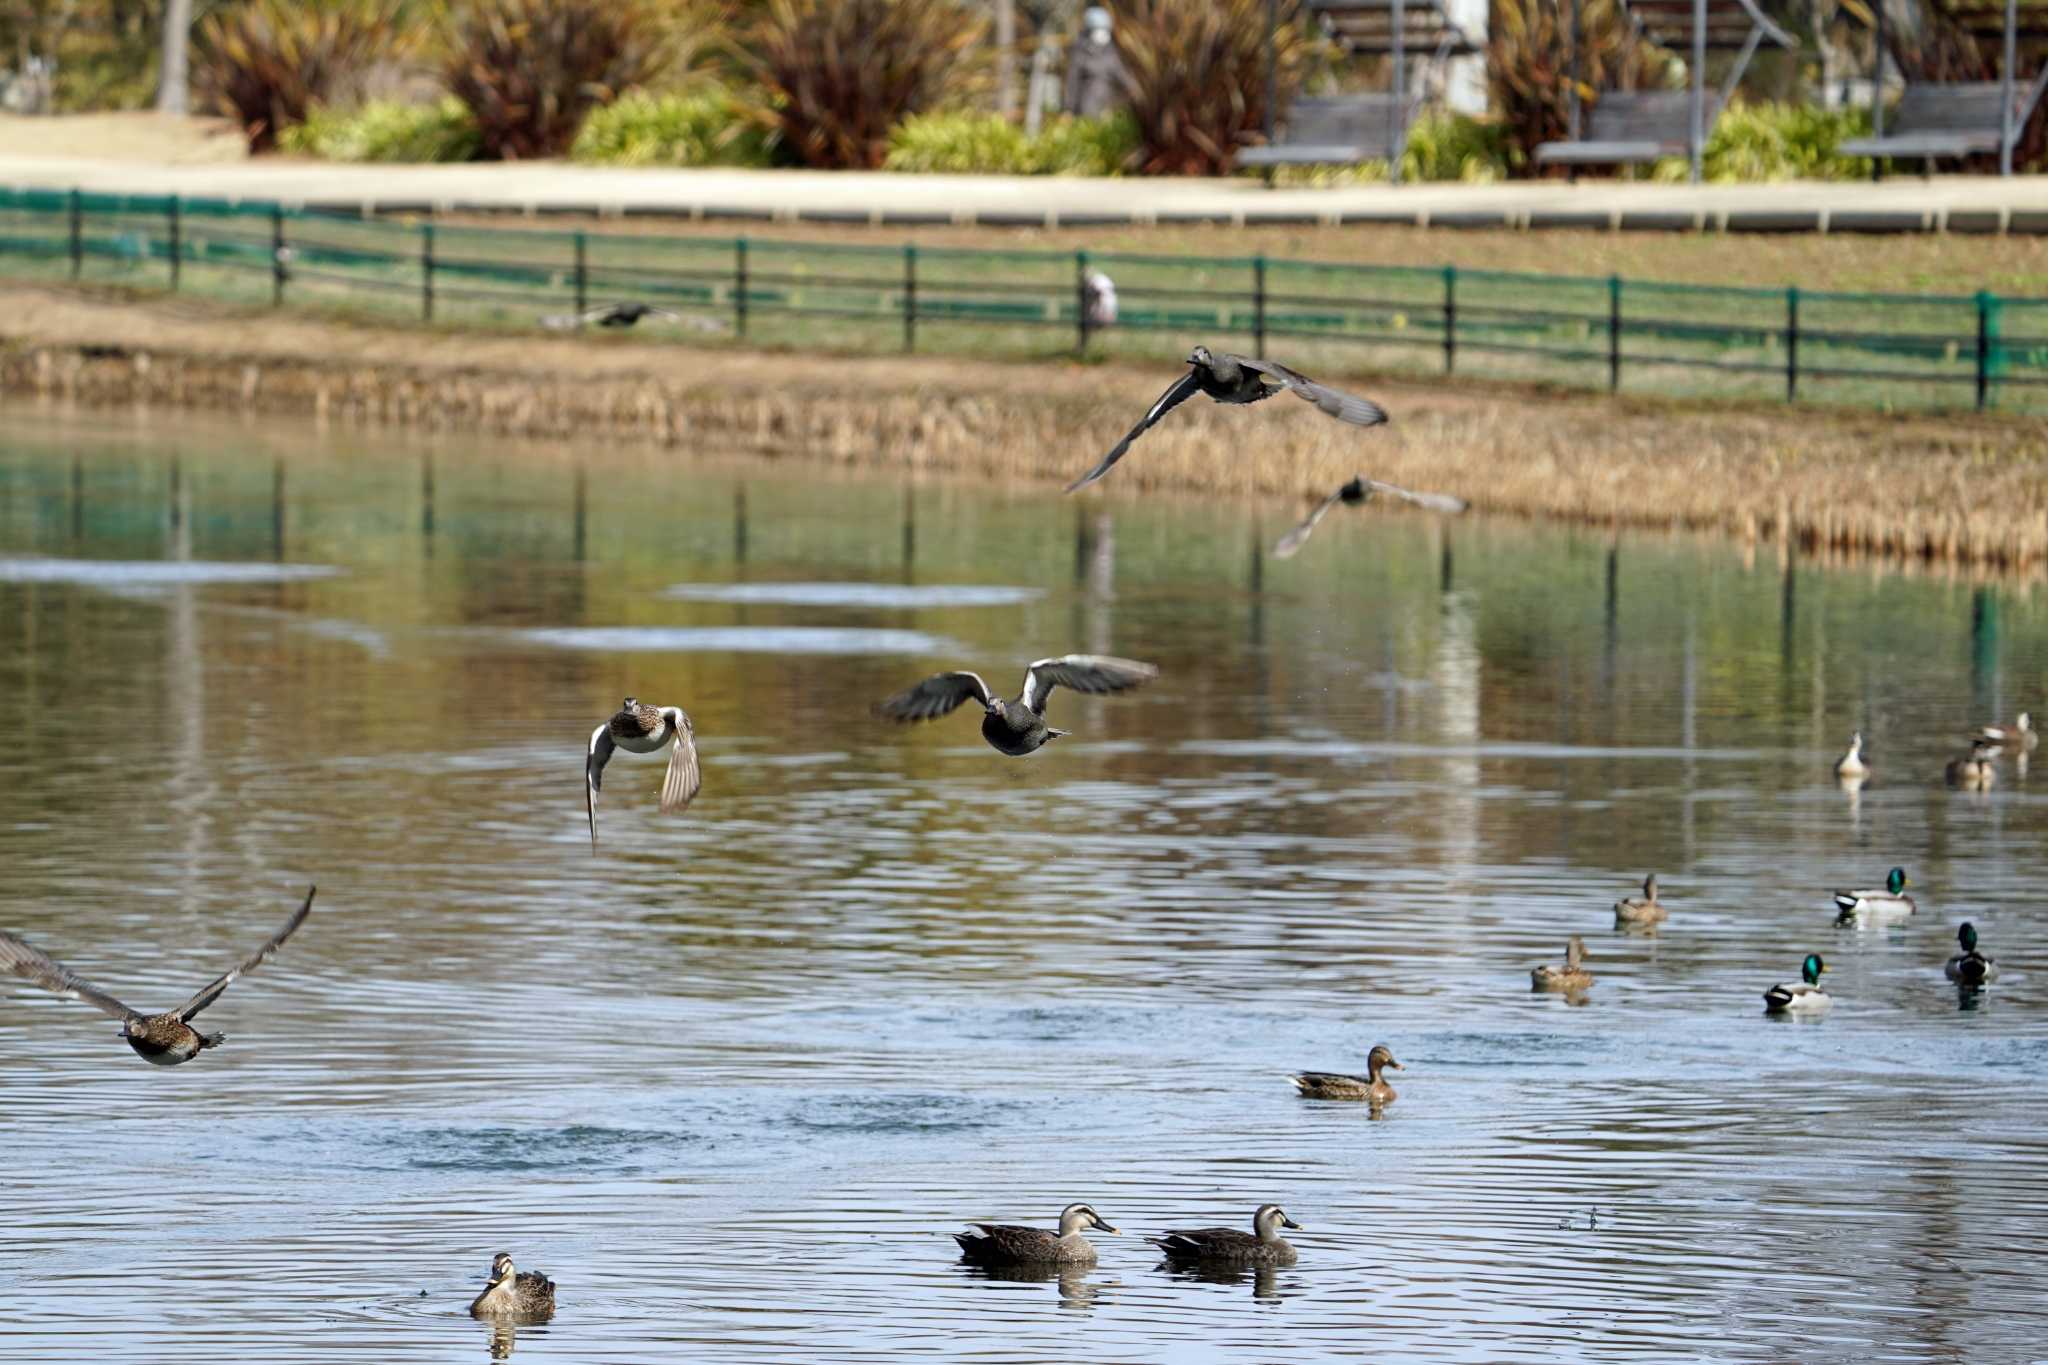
{"points": [[735, 1082]]}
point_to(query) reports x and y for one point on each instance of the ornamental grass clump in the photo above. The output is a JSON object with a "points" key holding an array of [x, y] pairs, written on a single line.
{"points": [[529, 71], [1530, 66], [268, 62], [1198, 77], [836, 76]]}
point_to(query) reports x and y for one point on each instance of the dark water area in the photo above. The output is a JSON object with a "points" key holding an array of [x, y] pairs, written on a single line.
{"points": [[735, 1082]]}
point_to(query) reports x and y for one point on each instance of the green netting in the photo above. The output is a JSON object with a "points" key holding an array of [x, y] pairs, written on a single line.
{"points": [[1873, 350]]}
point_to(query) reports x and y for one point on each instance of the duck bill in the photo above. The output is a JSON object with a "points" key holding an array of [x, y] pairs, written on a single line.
{"points": [[1105, 1227], [1290, 1223]]}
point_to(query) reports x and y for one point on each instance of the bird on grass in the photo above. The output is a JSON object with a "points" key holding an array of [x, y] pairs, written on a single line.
{"points": [[1017, 727], [509, 1293], [1570, 978], [1975, 772], [1015, 1244], [1371, 1087], [1644, 909], [1803, 996], [642, 729], [1359, 491], [1238, 379], [161, 1039], [1263, 1245], [1890, 903], [1970, 967], [609, 315]]}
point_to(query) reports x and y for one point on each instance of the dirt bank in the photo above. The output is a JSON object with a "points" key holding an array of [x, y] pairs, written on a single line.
{"points": [[1962, 489]]}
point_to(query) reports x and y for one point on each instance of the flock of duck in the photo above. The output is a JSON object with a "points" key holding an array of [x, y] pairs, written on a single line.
{"points": [[1016, 727]]}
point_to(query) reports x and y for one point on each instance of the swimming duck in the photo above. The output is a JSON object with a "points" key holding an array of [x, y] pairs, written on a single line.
{"points": [[1571, 977], [1970, 967], [1975, 772], [1263, 1245], [1803, 996], [1889, 903], [161, 1039], [1017, 727], [1359, 491], [2019, 736], [641, 729], [1238, 379], [510, 1294], [1852, 764], [1646, 909], [1014, 1244], [1330, 1085]]}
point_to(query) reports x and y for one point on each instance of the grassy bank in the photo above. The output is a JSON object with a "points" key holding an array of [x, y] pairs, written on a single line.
{"points": [[1957, 489]]}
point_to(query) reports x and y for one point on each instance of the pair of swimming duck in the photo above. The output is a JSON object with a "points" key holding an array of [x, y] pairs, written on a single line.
{"points": [[1974, 771], [1012, 1244]]}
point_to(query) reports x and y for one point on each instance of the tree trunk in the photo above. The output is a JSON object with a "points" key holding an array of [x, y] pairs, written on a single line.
{"points": [[1006, 58], [174, 77]]}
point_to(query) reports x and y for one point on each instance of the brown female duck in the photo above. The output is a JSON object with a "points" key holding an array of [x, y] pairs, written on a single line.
{"points": [[1371, 1087], [1571, 977], [524, 1294]]}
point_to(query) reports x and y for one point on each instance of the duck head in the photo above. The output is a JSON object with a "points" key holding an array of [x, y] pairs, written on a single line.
{"points": [[1379, 1058], [1810, 970], [1967, 936], [1079, 1218], [1200, 356], [1268, 1221], [1895, 880], [501, 1270]]}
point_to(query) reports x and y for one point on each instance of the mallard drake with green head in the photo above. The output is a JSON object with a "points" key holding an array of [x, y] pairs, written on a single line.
{"points": [[160, 1039], [1644, 909], [1851, 764], [1573, 976], [1263, 1245], [1974, 772], [1890, 903], [1371, 1087], [526, 1294], [1803, 996], [1015, 1244], [1970, 967]]}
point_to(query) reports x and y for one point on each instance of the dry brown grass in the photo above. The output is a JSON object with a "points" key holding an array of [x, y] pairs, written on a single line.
{"points": [[1961, 490]]}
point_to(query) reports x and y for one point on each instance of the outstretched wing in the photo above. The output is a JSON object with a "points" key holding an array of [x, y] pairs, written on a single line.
{"points": [[594, 759], [211, 992], [679, 786], [1289, 544], [26, 960], [1184, 388], [1336, 403], [1435, 502], [1095, 673], [935, 696]]}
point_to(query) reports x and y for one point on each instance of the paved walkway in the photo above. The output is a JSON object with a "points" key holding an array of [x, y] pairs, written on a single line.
{"points": [[1953, 204]]}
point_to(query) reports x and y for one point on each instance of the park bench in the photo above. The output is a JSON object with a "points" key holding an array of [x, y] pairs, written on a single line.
{"points": [[1951, 119], [1630, 127]]}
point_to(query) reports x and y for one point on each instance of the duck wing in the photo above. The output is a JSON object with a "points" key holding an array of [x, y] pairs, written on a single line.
{"points": [[1184, 388], [1287, 546], [1435, 502], [1335, 403], [1006, 1241], [936, 696], [679, 785], [211, 992], [1204, 1241], [594, 759], [1092, 673], [26, 960]]}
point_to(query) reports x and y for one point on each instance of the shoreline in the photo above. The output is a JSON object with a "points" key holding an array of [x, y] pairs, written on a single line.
{"points": [[1967, 491]]}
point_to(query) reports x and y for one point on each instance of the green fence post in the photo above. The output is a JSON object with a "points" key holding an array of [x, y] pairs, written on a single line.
{"points": [[77, 233], [739, 285], [1450, 318], [582, 281], [426, 272], [1613, 333], [1080, 303], [277, 256], [1259, 306], [1792, 344], [1984, 302], [909, 298], [177, 239]]}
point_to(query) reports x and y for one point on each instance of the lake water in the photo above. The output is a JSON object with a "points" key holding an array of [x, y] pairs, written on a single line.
{"points": [[735, 1083]]}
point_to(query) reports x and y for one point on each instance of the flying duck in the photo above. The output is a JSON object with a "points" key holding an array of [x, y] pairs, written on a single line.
{"points": [[1361, 490], [1238, 379], [1017, 727], [163, 1039], [641, 729]]}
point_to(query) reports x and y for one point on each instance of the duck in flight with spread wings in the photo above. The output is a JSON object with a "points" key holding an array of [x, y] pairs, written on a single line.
{"points": [[1017, 727], [1239, 379], [642, 729], [1362, 490], [163, 1039]]}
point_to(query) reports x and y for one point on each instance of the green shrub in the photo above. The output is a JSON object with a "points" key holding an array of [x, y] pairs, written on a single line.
{"points": [[702, 128], [1443, 145], [384, 130], [989, 144], [1761, 142]]}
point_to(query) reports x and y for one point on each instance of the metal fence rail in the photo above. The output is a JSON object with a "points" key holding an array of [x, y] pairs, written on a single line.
{"points": [[1873, 350]]}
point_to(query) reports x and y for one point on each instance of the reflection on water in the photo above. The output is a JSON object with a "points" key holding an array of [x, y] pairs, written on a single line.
{"points": [[734, 1084]]}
